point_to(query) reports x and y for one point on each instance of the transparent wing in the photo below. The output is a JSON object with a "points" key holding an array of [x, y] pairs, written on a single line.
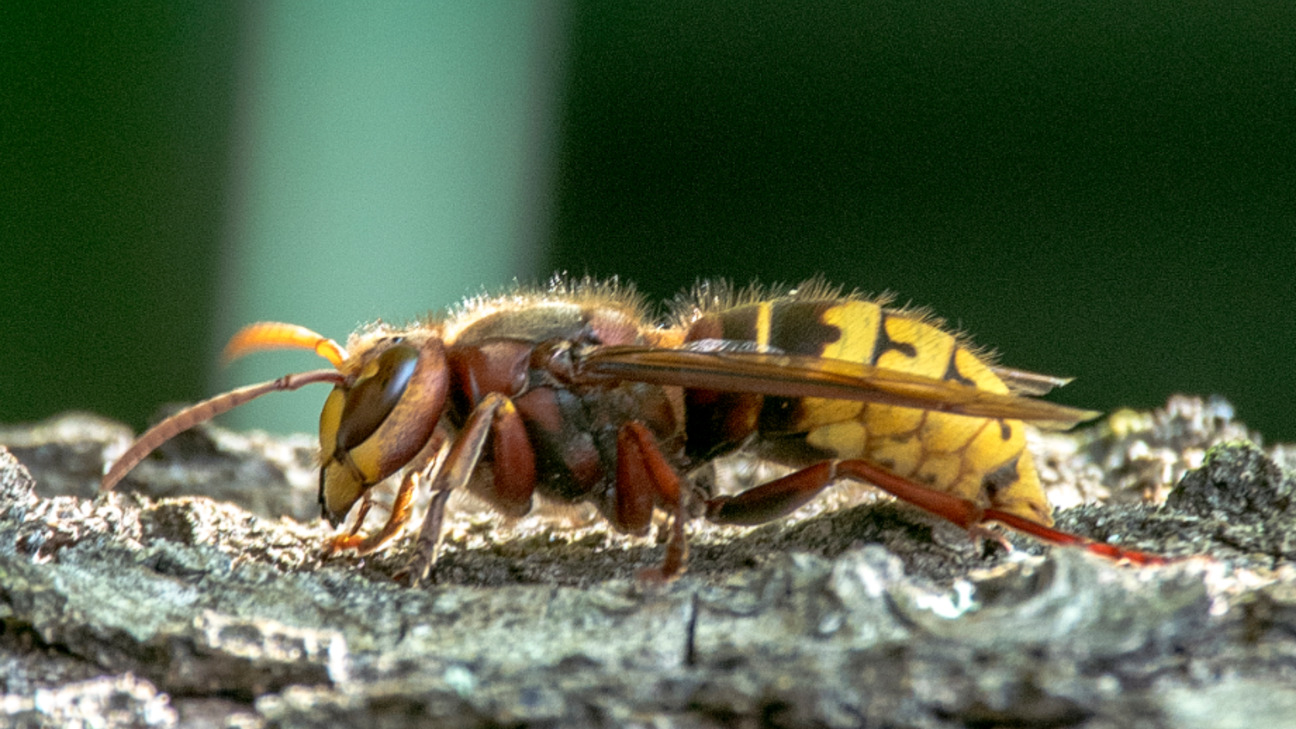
{"points": [[790, 375]]}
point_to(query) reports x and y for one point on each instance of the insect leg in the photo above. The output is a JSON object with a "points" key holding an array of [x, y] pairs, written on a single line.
{"points": [[645, 479], [1066, 539], [968, 515], [366, 503], [495, 418], [772, 500], [423, 466], [401, 510], [783, 496]]}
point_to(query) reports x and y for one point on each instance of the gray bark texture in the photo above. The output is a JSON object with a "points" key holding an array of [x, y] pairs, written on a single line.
{"points": [[198, 596]]}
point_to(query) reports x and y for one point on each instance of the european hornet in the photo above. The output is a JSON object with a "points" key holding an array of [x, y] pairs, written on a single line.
{"points": [[572, 392]]}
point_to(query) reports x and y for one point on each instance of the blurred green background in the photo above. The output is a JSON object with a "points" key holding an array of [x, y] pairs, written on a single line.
{"points": [[1092, 189]]}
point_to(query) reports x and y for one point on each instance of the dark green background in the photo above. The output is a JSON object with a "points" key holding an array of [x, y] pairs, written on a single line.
{"points": [[1092, 189]]}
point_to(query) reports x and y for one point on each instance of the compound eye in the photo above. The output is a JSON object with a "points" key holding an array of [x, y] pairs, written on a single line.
{"points": [[372, 399], [370, 430]]}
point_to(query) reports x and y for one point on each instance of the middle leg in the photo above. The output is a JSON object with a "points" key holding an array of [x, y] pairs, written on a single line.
{"points": [[644, 480]]}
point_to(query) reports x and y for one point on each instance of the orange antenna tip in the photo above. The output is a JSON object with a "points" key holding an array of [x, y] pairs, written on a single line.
{"points": [[278, 335]]}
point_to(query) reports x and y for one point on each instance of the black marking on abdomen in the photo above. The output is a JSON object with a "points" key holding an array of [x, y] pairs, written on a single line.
{"points": [[797, 327], [780, 414], [740, 323], [952, 373], [884, 343], [1000, 479]]}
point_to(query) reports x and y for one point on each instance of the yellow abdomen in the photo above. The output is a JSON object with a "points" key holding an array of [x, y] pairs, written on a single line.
{"points": [[983, 459]]}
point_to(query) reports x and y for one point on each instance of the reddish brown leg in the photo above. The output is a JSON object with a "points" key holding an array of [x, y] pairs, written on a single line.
{"points": [[401, 510], [495, 418], [785, 495], [429, 539], [1053, 536], [646, 479], [770, 501], [968, 515]]}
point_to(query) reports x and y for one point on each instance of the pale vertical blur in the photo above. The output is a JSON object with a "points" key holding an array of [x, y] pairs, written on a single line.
{"points": [[389, 159]]}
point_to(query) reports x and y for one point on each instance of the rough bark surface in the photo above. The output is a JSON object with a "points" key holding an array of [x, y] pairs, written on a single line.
{"points": [[161, 606]]}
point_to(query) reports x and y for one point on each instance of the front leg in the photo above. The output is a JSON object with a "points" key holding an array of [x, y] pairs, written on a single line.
{"points": [[402, 507], [401, 511], [497, 420]]}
